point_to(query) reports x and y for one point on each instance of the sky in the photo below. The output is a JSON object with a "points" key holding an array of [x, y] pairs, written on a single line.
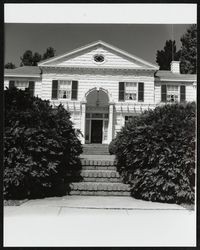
{"points": [[141, 40]]}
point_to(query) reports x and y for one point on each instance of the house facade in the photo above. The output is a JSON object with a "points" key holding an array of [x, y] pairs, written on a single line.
{"points": [[103, 87]]}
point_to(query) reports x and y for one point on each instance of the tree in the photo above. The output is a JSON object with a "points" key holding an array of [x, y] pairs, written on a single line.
{"points": [[164, 57], [9, 65], [27, 58], [36, 58], [30, 59], [189, 51], [50, 52]]}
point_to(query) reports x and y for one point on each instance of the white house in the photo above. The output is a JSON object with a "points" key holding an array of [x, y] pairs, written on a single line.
{"points": [[103, 86]]}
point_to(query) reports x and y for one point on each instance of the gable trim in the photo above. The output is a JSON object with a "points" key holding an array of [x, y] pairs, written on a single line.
{"points": [[106, 45]]}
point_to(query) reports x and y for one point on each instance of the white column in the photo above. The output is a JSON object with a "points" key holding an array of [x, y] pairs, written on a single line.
{"points": [[110, 123], [83, 111]]}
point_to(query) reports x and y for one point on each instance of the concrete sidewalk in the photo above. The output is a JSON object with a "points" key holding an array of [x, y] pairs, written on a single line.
{"points": [[98, 221]]}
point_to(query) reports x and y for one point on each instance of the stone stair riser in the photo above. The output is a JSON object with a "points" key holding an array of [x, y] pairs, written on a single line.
{"points": [[100, 193], [99, 168], [100, 179], [95, 186]]}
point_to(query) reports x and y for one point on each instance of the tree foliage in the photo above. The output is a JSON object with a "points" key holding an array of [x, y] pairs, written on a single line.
{"points": [[156, 154], [9, 65], [189, 51], [30, 59], [41, 148], [50, 52], [168, 54]]}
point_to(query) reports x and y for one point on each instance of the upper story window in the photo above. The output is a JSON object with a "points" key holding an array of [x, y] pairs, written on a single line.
{"points": [[99, 58], [131, 91], [23, 85], [64, 89], [173, 93]]}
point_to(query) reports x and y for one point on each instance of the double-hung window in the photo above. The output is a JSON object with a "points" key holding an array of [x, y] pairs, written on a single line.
{"points": [[131, 91], [64, 89], [23, 85], [173, 93]]}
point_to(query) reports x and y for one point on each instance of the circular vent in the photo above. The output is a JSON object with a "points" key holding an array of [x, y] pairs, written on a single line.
{"points": [[99, 58]]}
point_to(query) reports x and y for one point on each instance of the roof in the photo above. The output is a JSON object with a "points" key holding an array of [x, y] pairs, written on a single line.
{"points": [[29, 71], [94, 44], [166, 75]]}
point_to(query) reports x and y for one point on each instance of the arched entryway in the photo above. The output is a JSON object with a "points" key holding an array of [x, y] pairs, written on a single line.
{"points": [[97, 116]]}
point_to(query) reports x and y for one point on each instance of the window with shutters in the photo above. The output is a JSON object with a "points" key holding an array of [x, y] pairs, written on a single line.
{"points": [[172, 93], [21, 84], [64, 89], [131, 91]]}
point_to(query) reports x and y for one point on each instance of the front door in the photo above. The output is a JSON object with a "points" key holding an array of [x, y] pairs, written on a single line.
{"points": [[96, 131]]}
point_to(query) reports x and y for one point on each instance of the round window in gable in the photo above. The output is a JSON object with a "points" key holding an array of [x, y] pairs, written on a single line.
{"points": [[99, 58]]}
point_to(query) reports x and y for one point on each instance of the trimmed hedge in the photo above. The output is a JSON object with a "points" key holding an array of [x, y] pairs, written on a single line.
{"points": [[156, 154], [41, 148]]}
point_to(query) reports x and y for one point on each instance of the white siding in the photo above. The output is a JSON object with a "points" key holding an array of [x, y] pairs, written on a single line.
{"points": [[105, 81], [190, 90], [111, 60]]}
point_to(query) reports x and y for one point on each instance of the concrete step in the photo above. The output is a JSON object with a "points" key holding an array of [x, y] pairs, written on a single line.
{"points": [[99, 168], [101, 176], [87, 162], [99, 186], [100, 173], [101, 193]]}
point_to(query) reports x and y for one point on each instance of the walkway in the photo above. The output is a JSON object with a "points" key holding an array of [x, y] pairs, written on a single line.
{"points": [[98, 221]]}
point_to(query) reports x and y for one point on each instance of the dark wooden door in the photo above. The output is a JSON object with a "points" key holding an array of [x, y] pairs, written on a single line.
{"points": [[96, 131]]}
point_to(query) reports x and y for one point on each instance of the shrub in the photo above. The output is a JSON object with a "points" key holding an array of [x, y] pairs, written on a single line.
{"points": [[41, 148], [156, 154], [112, 147]]}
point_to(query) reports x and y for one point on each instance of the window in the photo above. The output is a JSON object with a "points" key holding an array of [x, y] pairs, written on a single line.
{"points": [[128, 118], [64, 89], [131, 91], [172, 93], [99, 58], [21, 84]]}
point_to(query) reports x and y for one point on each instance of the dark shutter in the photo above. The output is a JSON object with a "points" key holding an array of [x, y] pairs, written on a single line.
{"points": [[31, 88], [54, 94], [74, 90], [182, 93], [163, 93], [11, 84], [140, 91], [121, 91]]}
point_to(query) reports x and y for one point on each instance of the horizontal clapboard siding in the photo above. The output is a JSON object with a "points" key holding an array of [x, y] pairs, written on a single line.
{"points": [[190, 91], [111, 60], [108, 82]]}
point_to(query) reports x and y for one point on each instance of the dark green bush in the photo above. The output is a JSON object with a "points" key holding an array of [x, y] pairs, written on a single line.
{"points": [[156, 154], [112, 147], [41, 148]]}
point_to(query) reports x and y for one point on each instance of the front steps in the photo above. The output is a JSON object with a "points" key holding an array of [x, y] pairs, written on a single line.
{"points": [[100, 177], [95, 149]]}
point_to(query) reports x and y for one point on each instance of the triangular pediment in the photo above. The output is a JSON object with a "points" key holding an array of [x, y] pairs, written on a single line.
{"points": [[98, 55]]}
